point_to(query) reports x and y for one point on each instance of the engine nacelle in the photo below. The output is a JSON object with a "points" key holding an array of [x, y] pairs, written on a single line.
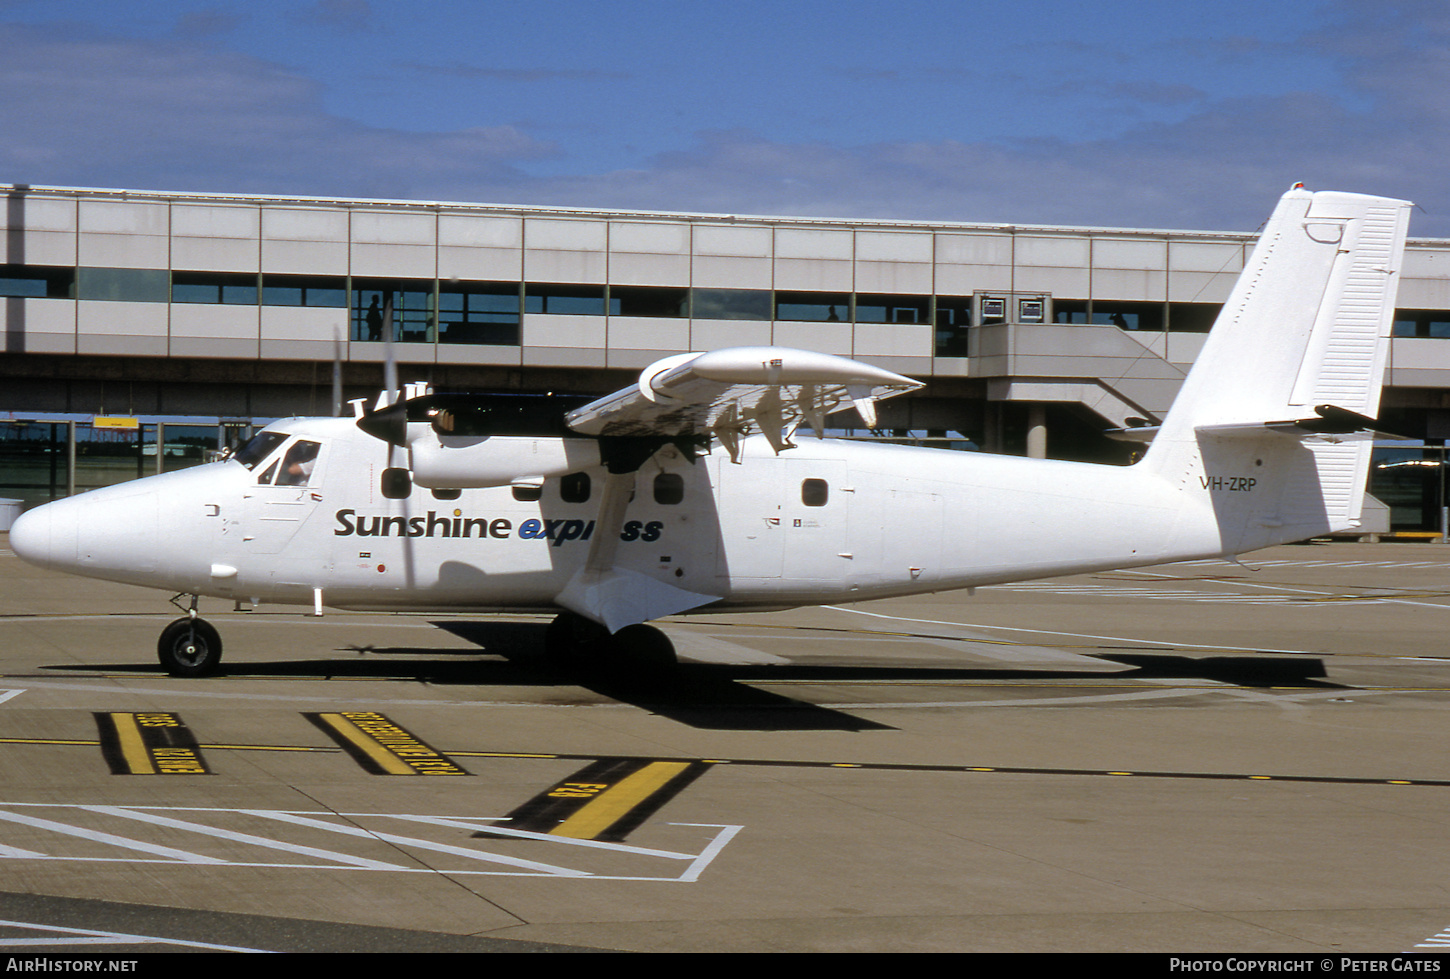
{"points": [[472, 461]]}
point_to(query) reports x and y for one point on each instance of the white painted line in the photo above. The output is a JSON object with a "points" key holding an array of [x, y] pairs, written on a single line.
{"points": [[457, 851], [1442, 940], [224, 834], [711, 851], [94, 937], [181, 856], [485, 826], [1285, 699], [1086, 698], [186, 690], [16, 853], [327, 822], [1070, 635]]}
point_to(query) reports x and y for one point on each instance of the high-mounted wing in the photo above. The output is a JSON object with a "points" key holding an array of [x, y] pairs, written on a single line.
{"points": [[727, 393], [457, 441]]}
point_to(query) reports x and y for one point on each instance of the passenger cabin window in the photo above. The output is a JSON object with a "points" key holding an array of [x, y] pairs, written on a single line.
{"points": [[815, 492], [528, 492], [574, 488], [396, 483], [669, 488]]}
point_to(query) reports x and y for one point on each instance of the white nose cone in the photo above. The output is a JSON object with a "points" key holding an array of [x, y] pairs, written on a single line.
{"points": [[30, 537], [110, 533]]}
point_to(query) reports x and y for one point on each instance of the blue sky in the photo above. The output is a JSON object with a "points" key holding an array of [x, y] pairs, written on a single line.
{"points": [[1118, 113]]}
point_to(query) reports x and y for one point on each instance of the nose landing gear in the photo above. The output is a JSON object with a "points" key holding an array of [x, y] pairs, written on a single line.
{"points": [[190, 646]]}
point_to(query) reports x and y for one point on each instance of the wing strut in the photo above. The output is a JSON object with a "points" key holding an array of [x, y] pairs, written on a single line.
{"points": [[612, 596]]}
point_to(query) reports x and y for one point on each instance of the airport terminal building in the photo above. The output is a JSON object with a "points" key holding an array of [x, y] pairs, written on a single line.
{"points": [[209, 313]]}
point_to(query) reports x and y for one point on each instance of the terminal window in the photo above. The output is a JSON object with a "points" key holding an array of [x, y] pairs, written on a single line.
{"points": [[555, 298], [731, 304], [406, 304], [123, 285], [235, 288], [953, 319], [304, 290], [1128, 315], [1427, 323], [892, 309], [813, 307], [659, 301], [37, 282], [479, 312]]}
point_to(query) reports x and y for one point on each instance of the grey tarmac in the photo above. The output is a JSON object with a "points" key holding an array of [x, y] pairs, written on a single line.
{"points": [[1201, 757]]}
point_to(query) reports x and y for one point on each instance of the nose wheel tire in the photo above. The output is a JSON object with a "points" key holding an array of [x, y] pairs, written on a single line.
{"points": [[189, 647]]}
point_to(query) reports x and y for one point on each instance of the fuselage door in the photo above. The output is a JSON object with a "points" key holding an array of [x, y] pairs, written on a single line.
{"points": [[748, 509], [816, 498], [282, 497]]}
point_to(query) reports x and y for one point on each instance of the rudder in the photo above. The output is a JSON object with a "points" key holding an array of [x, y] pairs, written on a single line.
{"points": [[1304, 333]]}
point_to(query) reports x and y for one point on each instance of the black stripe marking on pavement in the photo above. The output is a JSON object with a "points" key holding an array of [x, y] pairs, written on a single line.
{"points": [[606, 800], [149, 743], [382, 747]]}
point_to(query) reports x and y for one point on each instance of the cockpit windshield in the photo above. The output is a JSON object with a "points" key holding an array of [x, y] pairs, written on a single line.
{"points": [[259, 447]]}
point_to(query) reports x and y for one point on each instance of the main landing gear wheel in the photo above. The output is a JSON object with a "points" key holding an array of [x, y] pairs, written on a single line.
{"points": [[189, 647], [645, 646], [574, 641], [570, 639]]}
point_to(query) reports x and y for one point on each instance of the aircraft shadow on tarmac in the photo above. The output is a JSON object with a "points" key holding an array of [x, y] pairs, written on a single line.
{"points": [[718, 696]]}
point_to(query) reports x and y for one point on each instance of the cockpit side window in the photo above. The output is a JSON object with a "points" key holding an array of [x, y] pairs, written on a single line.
{"points": [[298, 463], [258, 448]]}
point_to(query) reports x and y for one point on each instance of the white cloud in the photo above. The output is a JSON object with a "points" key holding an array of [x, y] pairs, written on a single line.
{"points": [[166, 114]]}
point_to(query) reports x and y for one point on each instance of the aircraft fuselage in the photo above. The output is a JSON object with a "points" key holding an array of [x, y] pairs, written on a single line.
{"points": [[828, 521]]}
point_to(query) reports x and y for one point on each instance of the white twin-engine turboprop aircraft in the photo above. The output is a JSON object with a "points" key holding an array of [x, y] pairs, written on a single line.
{"points": [[686, 491]]}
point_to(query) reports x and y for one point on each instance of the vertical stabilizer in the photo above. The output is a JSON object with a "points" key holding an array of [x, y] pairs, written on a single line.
{"points": [[1307, 325], [1307, 322]]}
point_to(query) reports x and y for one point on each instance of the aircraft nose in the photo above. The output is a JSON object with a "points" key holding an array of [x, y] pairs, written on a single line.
{"points": [[101, 533], [30, 536], [46, 536]]}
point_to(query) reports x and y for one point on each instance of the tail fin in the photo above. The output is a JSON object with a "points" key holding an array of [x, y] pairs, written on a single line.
{"points": [[1304, 337]]}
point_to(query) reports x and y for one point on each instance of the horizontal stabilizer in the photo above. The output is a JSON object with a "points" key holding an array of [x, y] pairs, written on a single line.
{"points": [[1332, 425], [1144, 434], [733, 392]]}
